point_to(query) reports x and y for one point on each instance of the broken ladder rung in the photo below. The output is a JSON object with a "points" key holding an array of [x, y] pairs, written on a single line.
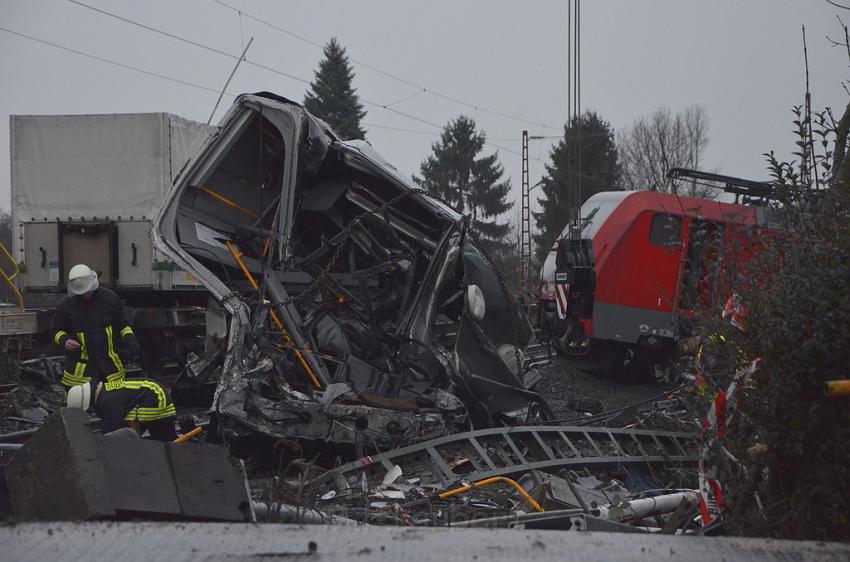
{"points": [[514, 450]]}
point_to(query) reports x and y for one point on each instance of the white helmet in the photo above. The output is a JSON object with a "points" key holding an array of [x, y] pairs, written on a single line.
{"points": [[79, 396], [81, 279]]}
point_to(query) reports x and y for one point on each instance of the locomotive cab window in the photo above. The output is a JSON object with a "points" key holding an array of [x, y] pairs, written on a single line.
{"points": [[665, 230]]}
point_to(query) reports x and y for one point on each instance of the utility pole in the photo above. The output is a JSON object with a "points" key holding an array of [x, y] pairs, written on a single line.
{"points": [[574, 104], [525, 217], [573, 118]]}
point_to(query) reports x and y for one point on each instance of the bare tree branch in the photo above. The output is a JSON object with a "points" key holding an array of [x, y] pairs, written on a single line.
{"points": [[664, 140], [846, 42]]}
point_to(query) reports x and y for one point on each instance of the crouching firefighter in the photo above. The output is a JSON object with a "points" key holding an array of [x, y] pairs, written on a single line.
{"points": [[88, 325], [137, 403]]}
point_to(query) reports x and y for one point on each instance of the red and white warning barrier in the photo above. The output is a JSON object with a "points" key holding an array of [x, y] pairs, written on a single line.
{"points": [[714, 428], [562, 290]]}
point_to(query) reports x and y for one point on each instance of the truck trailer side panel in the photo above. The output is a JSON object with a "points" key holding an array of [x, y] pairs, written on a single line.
{"points": [[104, 174]]}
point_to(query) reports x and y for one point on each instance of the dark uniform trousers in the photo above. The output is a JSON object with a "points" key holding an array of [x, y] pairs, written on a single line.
{"points": [[137, 400], [97, 324]]}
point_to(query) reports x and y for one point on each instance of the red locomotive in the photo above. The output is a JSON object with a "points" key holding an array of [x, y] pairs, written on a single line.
{"points": [[640, 264]]}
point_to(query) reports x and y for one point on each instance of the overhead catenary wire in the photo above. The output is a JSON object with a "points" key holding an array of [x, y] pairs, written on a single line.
{"points": [[209, 48], [285, 74], [114, 62], [214, 90], [189, 41], [403, 130], [420, 87], [405, 98]]}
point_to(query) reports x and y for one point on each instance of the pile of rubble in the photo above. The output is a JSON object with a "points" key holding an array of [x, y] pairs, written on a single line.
{"points": [[578, 477], [35, 394], [541, 476]]}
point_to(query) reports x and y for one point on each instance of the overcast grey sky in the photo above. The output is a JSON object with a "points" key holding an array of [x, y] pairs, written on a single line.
{"points": [[741, 59]]}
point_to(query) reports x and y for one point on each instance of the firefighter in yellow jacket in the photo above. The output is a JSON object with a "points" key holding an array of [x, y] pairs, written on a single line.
{"points": [[90, 326], [140, 403]]}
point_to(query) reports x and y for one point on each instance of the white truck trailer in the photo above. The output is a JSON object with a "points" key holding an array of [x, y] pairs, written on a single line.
{"points": [[85, 189]]}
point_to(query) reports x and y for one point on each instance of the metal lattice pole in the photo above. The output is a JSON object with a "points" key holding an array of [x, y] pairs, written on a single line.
{"points": [[525, 227]]}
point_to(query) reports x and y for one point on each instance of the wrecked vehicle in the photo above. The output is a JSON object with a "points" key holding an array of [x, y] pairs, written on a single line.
{"points": [[355, 308]]}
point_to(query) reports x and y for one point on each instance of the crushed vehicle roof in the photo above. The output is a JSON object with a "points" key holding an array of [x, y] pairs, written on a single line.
{"points": [[355, 307]]}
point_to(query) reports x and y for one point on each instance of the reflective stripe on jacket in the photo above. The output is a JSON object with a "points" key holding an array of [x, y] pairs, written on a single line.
{"points": [[127, 400], [95, 323]]}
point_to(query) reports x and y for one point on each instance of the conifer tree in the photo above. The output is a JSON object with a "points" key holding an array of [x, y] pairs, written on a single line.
{"points": [[600, 171], [331, 96], [472, 184]]}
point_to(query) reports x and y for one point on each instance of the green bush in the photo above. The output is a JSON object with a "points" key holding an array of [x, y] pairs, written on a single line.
{"points": [[785, 460]]}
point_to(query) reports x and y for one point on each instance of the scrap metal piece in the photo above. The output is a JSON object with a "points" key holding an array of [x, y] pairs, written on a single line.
{"points": [[556, 493], [493, 480], [515, 450], [560, 520], [286, 513], [646, 507]]}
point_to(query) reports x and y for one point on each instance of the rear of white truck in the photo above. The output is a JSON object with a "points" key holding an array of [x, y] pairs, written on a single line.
{"points": [[85, 189]]}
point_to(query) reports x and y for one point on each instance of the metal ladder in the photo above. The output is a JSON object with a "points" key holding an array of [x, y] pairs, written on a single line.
{"points": [[515, 450], [8, 278]]}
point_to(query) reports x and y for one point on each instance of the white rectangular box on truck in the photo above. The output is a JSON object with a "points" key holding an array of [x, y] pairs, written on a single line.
{"points": [[85, 189]]}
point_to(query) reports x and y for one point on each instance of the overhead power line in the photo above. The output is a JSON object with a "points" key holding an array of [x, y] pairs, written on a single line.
{"points": [[213, 90], [229, 94], [209, 48], [247, 61], [436, 134], [189, 41], [531, 137], [114, 62], [421, 88], [402, 130]]}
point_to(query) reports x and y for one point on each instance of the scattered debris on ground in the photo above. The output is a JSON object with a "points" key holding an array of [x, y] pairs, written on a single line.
{"points": [[579, 477], [25, 405]]}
